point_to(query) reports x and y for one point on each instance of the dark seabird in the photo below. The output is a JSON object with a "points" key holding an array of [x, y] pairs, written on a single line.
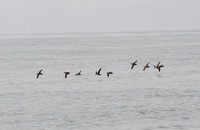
{"points": [[133, 64], [108, 73], [66, 73], [39, 73], [158, 66], [79, 73], [98, 73], [146, 66]]}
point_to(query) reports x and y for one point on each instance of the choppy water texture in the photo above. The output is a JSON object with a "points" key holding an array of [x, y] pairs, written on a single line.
{"points": [[127, 100]]}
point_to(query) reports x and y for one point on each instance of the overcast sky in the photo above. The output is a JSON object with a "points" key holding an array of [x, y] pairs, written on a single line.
{"points": [[54, 16]]}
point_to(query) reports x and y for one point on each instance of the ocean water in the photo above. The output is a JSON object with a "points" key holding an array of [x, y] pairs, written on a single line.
{"points": [[127, 100]]}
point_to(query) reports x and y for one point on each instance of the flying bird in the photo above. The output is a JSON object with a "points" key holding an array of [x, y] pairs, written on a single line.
{"points": [[146, 66], [108, 73], [66, 73], [79, 73], [98, 73], [133, 64], [158, 66], [39, 73]]}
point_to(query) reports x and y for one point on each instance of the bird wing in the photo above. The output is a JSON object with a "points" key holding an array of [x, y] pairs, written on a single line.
{"points": [[158, 64], [135, 61], [132, 66], [161, 65], [99, 71], [108, 74], [159, 69], [65, 74], [40, 71], [37, 75]]}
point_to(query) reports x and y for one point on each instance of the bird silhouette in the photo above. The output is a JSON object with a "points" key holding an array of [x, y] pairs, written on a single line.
{"points": [[79, 73], [108, 73], [98, 73], [158, 66], [66, 73], [133, 64], [39, 73], [146, 66]]}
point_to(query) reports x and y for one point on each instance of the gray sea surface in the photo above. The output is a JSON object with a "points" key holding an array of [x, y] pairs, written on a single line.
{"points": [[127, 100]]}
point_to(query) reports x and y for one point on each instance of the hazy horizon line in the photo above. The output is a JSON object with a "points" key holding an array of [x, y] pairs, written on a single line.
{"points": [[88, 32]]}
